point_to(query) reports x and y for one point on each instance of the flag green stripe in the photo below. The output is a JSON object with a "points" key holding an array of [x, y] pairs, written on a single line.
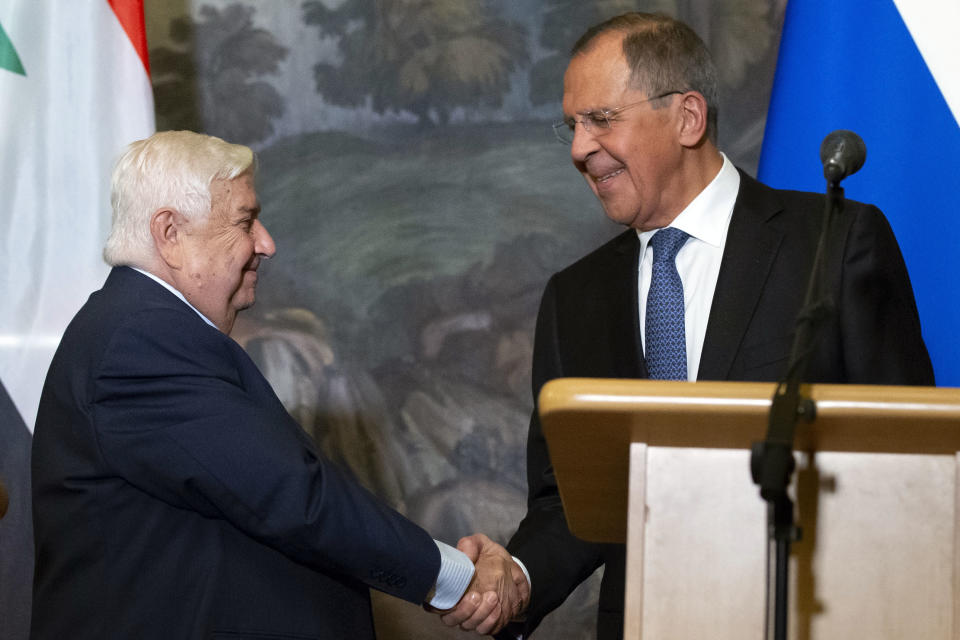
{"points": [[9, 59]]}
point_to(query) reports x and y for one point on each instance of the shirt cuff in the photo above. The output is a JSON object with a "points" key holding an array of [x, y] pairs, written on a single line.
{"points": [[456, 572], [526, 573]]}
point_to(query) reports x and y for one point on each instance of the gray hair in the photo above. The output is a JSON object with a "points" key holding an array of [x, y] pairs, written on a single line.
{"points": [[170, 169], [664, 55]]}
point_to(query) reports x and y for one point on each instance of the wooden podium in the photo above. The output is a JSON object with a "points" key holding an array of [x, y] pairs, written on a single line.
{"points": [[664, 466]]}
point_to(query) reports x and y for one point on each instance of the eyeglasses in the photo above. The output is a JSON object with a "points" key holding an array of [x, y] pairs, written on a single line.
{"points": [[597, 122]]}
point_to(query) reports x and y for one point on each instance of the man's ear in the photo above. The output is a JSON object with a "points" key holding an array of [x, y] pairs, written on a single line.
{"points": [[166, 227], [693, 118]]}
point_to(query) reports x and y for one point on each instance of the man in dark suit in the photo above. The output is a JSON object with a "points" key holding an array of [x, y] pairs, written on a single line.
{"points": [[174, 497], [640, 104]]}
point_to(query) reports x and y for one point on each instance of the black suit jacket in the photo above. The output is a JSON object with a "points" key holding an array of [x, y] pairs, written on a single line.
{"points": [[588, 326], [174, 497]]}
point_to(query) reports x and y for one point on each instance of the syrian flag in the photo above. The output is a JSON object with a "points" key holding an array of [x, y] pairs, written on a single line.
{"points": [[890, 71], [74, 91]]}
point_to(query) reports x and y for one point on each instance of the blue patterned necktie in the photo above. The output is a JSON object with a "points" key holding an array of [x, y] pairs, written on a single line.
{"points": [[665, 339]]}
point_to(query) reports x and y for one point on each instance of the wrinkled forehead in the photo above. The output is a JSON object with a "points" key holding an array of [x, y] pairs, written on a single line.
{"points": [[236, 195], [597, 78]]}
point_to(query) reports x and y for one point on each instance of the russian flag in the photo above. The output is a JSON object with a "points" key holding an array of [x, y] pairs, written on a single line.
{"points": [[890, 71]]}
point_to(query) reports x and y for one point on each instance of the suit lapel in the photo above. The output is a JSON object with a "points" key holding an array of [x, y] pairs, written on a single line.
{"points": [[748, 256], [617, 292]]}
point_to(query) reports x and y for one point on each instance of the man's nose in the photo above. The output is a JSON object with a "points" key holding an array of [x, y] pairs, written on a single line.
{"points": [[583, 144], [262, 240]]}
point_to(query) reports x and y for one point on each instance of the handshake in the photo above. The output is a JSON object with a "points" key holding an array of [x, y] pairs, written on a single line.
{"points": [[498, 593]]}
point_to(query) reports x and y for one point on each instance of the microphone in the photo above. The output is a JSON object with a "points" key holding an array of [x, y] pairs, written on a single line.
{"points": [[842, 154]]}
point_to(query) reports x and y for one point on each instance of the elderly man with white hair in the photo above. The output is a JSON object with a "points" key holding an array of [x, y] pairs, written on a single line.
{"points": [[174, 496]]}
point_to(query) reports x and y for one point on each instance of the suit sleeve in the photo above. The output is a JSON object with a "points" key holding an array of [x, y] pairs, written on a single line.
{"points": [[879, 322], [556, 559], [183, 414]]}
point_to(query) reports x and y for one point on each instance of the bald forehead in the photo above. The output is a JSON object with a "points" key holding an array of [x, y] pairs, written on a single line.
{"points": [[603, 54], [597, 77], [612, 38]]}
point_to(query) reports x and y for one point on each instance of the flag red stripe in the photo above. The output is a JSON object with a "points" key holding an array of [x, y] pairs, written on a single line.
{"points": [[130, 15]]}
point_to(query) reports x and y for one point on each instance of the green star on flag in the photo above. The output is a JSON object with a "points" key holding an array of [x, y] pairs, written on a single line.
{"points": [[9, 59]]}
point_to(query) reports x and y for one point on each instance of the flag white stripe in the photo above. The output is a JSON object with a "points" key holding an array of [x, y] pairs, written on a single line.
{"points": [[85, 96], [934, 25]]}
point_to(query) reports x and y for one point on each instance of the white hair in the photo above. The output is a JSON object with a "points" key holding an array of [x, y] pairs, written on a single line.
{"points": [[170, 169]]}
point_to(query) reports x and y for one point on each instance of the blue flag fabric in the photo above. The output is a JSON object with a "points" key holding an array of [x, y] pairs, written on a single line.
{"points": [[855, 65]]}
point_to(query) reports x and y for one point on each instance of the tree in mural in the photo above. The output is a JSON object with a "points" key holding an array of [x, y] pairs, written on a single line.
{"points": [[424, 56], [563, 22], [208, 82], [738, 32]]}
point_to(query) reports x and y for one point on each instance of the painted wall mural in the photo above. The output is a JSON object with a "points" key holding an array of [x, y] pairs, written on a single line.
{"points": [[419, 203]]}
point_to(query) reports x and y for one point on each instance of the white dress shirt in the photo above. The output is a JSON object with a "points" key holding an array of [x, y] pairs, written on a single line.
{"points": [[706, 219]]}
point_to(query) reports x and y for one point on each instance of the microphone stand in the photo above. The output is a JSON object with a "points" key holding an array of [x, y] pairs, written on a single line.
{"points": [[771, 461]]}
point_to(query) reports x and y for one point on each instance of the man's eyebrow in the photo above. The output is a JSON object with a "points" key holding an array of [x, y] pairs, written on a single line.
{"points": [[253, 211], [589, 111]]}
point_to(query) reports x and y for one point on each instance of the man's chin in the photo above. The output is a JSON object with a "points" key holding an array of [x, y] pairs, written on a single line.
{"points": [[244, 299], [626, 218]]}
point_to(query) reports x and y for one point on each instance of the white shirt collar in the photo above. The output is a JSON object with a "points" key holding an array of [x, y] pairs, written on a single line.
{"points": [[166, 285], [700, 218]]}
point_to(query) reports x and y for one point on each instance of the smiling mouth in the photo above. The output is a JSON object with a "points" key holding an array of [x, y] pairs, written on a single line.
{"points": [[610, 176]]}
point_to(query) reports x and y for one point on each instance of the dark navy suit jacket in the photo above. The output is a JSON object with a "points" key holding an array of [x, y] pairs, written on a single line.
{"points": [[174, 497], [588, 326]]}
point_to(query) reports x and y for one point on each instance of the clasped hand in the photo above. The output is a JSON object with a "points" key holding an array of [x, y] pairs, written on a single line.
{"points": [[498, 593]]}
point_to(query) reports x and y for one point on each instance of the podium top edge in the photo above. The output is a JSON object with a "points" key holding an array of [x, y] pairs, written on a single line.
{"points": [[614, 394]]}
